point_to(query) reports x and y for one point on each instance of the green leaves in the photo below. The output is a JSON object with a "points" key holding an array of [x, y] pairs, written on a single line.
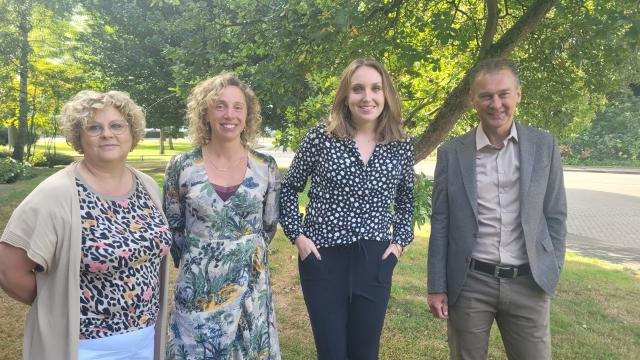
{"points": [[291, 52], [422, 189]]}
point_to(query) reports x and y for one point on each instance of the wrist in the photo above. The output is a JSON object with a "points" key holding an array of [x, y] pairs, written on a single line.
{"points": [[293, 237], [300, 238]]}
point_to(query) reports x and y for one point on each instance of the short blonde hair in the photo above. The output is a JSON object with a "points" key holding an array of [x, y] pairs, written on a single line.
{"points": [[205, 93], [389, 126], [81, 109]]}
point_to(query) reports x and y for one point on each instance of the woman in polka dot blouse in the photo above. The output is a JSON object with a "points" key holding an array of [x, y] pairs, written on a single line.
{"points": [[358, 219]]}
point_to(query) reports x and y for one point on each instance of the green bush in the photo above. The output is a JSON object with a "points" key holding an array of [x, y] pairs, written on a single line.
{"points": [[5, 154], [155, 134], [4, 136], [613, 136], [11, 170], [38, 159], [422, 199], [41, 159]]}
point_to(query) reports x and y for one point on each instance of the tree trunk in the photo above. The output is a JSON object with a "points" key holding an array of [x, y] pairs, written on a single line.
{"points": [[457, 102], [12, 135], [31, 128], [171, 143], [161, 141], [25, 48]]}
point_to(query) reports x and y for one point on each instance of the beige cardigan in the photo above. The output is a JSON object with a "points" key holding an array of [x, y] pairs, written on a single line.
{"points": [[47, 225]]}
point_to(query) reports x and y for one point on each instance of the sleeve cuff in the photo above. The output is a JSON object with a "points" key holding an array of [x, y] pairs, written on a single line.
{"points": [[13, 239]]}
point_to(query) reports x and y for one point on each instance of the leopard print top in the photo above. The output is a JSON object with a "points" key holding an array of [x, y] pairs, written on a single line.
{"points": [[123, 242]]}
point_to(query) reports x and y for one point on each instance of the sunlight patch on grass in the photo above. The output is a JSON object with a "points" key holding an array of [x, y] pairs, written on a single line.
{"points": [[573, 257]]}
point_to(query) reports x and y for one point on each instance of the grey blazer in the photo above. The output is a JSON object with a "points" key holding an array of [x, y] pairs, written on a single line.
{"points": [[543, 211]]}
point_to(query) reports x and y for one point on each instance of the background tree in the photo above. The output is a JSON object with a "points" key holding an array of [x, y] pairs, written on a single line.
{"points": [[16, 28], [571, 54], [615, 132], [125, 44]]}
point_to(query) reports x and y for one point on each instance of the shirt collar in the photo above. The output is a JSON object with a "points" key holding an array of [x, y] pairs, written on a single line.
{"points": [[482, 140]]}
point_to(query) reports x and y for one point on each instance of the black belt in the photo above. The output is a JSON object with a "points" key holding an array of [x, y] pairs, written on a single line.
{"points": [[499, 271]]}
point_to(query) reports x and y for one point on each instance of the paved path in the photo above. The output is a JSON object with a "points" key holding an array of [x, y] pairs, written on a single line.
{"points": [[603, 209], [604, 216]]}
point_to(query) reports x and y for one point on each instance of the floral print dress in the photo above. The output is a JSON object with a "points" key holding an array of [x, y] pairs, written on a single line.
{"points": [[223, 306]]}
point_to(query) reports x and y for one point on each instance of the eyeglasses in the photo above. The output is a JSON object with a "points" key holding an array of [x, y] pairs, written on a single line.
{"points": [[116, 128]]}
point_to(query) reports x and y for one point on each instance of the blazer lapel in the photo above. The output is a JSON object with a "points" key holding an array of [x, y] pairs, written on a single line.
{"points": [[527, 146], [467, 159]]}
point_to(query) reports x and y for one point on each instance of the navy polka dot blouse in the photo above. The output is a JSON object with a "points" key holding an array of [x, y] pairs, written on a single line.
{"points": [[349, 201]]}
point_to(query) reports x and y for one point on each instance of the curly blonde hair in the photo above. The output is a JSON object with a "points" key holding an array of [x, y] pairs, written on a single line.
{"points": [[389, 126], [82, 108], [205, 93]]}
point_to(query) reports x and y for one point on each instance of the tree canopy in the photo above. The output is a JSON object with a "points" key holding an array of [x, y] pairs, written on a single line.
{"points": [[36, 76], [572, 54]]}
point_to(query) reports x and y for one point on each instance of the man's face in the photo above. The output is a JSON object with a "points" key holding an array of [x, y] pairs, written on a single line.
{"points": [[495, 97]]}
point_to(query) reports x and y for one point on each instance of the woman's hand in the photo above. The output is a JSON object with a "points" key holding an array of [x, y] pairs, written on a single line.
{"points": [[394, 248], [16, 273], [305, 247]]}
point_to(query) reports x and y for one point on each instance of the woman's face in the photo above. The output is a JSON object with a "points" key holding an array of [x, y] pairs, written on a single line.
{"points": [[106, 138], [227, 115], [366, 96]]}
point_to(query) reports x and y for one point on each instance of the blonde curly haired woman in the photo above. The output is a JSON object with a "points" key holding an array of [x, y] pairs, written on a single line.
{"points": [[221, 204], [87, 248]]}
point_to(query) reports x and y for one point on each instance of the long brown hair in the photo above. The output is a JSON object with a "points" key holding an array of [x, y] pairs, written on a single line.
{"points": [[389, 124]]}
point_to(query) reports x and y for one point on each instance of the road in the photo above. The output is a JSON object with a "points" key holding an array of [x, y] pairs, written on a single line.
{"points": [[604, 216]]}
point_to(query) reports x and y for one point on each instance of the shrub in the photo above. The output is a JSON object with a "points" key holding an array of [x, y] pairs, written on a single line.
{"points": [[5, 154], [422, 200], [155, 134], [41, 159], [4, 135], [59, 159], [614, 134], [11, 170], [38, 159], [565, 151]]}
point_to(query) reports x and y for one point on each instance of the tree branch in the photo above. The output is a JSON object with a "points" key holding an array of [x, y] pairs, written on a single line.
{"points": [[457, 102], [409, 122], [531, 18], [490, 27]]}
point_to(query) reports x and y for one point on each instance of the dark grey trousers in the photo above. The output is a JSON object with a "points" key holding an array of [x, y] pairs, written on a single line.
{"points": [[520, 308]]}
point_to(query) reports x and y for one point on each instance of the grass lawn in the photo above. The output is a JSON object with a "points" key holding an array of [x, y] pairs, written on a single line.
{"points": [[595, 315], [147, 150]]}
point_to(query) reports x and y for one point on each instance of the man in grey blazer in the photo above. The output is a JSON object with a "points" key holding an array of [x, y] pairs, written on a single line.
{"points": [[498, 226]]}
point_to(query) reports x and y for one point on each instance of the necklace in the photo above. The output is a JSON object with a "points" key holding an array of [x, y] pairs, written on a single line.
{"points": [[231, 166]]}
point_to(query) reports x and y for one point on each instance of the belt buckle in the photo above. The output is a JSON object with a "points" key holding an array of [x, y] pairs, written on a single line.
{"points": [[498, 268]]}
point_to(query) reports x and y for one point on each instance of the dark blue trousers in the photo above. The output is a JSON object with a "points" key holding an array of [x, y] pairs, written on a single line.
{"points": [[346, 296]]}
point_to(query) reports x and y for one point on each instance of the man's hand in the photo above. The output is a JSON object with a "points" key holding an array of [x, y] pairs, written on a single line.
{"points": [[305, 247], [439, 305]]}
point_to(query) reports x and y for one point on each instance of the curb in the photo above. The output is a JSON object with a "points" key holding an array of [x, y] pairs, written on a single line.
{"points": [[629, 171]]}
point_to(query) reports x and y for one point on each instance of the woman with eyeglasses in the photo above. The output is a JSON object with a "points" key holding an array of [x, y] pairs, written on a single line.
{"points": [[87, 248]]}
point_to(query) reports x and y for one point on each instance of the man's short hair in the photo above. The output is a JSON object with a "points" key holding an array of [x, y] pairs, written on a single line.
{"points": [[492, 66]]}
